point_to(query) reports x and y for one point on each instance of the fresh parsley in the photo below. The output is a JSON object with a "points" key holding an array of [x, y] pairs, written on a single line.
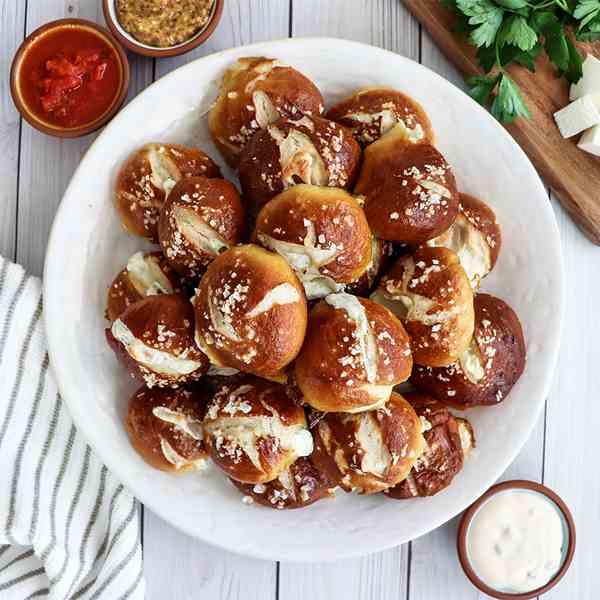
{"points": [[516, 31]]}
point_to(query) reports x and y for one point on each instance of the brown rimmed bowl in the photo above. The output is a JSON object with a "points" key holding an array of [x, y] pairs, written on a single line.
{"points": [[516, 484], [125, 38], [50, 128]]}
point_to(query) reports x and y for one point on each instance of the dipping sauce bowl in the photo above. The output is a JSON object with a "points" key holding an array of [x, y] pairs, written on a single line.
{"points": [[69, 78], [511, 514]]}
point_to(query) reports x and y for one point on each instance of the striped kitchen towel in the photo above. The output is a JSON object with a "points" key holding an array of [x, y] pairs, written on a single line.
{"points": [[68, 529]]}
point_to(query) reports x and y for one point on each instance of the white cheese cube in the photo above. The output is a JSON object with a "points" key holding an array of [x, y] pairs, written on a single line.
{"points": [[590, 82], [590, 140], [578, 116]]}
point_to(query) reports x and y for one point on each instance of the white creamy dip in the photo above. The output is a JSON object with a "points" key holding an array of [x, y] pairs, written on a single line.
{"points": [[515, 541]]}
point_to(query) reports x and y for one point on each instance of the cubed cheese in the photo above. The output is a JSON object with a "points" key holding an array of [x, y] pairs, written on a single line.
{"points": [[590, 82], [578, 116], [590, 140]]}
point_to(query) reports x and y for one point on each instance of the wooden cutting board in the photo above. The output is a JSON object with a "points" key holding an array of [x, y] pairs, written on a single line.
{"points": [[574, 175]]}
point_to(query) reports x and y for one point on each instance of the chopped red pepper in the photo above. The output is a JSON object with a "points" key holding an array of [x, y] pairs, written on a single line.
{"points": [[72, 75]]}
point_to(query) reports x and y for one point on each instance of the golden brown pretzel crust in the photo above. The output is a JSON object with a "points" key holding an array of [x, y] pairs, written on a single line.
{"points": [[123, 291], [300, 485], [410, 191], [139, 194], [331, 370], [372, 111], [215, 204], [443, 457], [394, 432], [166, 323], [234, 285], [431, 294], [499, 349], [324, 153], [323, 219], [252, 417], [233, 119], [148, 432]]}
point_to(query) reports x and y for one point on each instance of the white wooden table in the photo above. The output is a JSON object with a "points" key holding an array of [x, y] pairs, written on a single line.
{"points": [[563, 450]]}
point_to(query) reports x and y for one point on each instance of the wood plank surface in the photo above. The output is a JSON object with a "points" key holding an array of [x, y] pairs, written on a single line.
{"points": [[12, 15], [573, 416], [189, 568], [574, 175]]}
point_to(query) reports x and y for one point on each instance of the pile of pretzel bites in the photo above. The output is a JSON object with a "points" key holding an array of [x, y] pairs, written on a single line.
{"points": [[349, 264]]}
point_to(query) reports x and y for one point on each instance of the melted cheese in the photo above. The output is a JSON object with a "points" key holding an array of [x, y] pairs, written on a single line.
{"points": [[146, 275], [155, 360], [221, 322], [182, 422], [284, 293], [471, 247], [471, 363], [388, 120], [244, 432], [264, 110], [164, 174], [376, 457], [178, 461], [299, 158], [306, 260], [364, 336], [198, 233]]}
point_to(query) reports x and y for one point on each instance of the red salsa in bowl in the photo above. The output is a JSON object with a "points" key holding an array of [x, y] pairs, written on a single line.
{"points": [[69, 78]]}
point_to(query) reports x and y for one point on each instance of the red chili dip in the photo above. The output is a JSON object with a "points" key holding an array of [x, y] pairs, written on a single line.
{"points": [[70, 76]]}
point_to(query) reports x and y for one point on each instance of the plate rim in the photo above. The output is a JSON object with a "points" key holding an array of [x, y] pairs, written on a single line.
{"points": [[111, 460]]}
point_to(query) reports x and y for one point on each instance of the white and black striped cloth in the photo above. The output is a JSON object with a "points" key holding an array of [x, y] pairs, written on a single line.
{"points": [[68, 529]]}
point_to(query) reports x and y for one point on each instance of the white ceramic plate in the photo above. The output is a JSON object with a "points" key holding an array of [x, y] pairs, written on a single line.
{"points": [[88, 247]]}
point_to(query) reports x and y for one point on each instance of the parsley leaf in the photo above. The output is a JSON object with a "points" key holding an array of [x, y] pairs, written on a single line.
{"points": [[509, 104], [513, 4], [509, 32], [516, 31], [481, 88], [558, 50], [574, 71], [586, 10], [485, 16]]}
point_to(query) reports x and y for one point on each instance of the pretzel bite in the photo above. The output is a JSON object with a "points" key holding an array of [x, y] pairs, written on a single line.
{"points": [[146, 274], [432, 296], [308, 150], [254, 432], [487, 370], [250, 312], [154, 339], [300, 485], [321, 232], [475, 237], [372, 111], [255, 92], [448, 442], [373, 450], [381, 256], [354, 353], [165, 428], [200, 220], [410, 191], [146, 179]]}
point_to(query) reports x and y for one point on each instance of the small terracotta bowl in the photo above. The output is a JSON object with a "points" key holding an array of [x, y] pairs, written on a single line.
{"points": [[125, 38], [467, 517], [50, 128]]}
